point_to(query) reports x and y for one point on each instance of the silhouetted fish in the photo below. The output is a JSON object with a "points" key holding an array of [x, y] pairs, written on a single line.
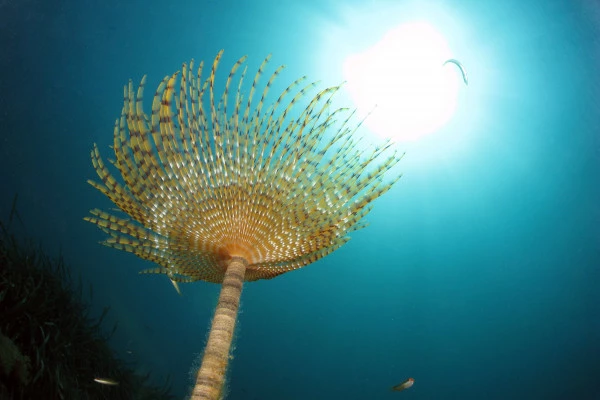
{"points": [[460, 66]]}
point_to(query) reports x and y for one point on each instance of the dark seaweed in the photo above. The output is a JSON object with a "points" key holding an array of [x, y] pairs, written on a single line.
{"points": [[61, 349]]}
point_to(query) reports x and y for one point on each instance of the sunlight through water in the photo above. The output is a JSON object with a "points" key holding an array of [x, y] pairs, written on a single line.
{"points": [[401, 80]]}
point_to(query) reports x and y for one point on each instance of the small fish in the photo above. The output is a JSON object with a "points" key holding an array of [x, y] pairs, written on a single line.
{"points": [[461, 67], [404, 385], [106, 381]]}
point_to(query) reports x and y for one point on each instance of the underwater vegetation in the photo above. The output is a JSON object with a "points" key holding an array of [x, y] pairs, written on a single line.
{"points": [[50, 348], [219, 188]]}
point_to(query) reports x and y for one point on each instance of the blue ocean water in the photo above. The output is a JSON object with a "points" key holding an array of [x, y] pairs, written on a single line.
{"points": [[478, 272]]}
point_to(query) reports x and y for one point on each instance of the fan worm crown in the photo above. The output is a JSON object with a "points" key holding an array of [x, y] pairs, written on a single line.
{"points": [[208, 177]]}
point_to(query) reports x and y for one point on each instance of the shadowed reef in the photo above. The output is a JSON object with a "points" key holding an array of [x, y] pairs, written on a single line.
{"points": [[50, 346]]}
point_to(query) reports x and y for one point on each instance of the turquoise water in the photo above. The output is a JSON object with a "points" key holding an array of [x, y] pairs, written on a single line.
{"points": [[478, 272]]}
